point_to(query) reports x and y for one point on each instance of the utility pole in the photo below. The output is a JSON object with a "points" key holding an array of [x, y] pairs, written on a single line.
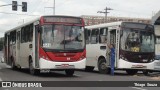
{"points": [[105, 12], [54, 8]]}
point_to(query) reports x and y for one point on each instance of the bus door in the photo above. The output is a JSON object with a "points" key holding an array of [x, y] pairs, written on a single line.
{"points": [[8, 49], [113, 38], [18, 48], [5, 48]]}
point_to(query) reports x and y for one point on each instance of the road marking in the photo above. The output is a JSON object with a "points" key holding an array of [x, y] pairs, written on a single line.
{"points": [[138, 88], [77, 75], [8, 66]]}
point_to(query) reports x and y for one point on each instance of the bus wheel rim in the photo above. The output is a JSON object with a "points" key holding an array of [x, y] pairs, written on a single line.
{"points": [[103, 66]]}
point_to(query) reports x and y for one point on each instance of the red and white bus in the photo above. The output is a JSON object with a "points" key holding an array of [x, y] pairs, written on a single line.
{"points": [[47, 43]]}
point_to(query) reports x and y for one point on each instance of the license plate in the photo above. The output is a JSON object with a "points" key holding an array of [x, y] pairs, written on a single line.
{"points": [[65, 66], [138, 66]]}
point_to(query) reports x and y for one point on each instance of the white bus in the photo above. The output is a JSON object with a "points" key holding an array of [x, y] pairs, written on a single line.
{"points": [[156, 23], [47, 43], [134, 46]]}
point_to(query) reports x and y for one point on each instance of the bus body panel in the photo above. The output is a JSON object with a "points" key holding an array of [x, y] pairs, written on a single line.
{"points": [[94, 53], [157, 54], [155, 22], [24, 54]]}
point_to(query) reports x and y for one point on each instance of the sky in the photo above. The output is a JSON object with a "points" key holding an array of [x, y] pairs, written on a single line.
{"points": [[121, 8]]}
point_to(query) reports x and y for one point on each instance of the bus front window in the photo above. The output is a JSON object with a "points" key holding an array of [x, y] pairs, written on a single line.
{"points": [[137, 40], [60, 37], [147, 42]]}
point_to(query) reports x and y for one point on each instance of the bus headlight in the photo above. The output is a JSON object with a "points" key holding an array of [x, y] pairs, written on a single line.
{"points": [[45, 57], [82, 57]]}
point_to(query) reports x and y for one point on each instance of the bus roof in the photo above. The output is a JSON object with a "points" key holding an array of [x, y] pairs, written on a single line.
{"points": [[104, 25], [109, 24], [27, 23], [36, 19], [156, 19]]}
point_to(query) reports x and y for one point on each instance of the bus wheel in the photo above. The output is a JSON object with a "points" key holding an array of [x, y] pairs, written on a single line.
{"points": [[69, 72], [31, 68], [131, 72], [102, 66], [145, 72], [89, 68]]}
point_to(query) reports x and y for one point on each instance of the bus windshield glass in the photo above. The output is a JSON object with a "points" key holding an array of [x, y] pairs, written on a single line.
{"points": [[137, 39], [62, 37]]}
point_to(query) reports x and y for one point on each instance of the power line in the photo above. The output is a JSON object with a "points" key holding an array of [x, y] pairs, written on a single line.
{"points": [[130, 12], [5, 5]]}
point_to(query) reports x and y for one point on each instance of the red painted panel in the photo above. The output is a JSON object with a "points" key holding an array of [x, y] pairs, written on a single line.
{"points": [[62, 57]]}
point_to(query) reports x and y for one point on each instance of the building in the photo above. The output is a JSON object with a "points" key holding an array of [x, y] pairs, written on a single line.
{"points": [[93, 20]]}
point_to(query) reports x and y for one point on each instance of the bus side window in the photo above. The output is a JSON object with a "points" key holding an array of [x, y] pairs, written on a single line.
{"points": [[103, 35], [13, 37], [27, 33], [22, 35], [94, 36], [5, 39], [31, 33]]}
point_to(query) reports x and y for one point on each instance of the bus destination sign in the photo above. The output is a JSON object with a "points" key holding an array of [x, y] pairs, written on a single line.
{"points": [[62, 20]]}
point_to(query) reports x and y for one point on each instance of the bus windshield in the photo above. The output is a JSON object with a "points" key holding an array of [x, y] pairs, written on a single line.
{"points": [[137, 40], [62, 37]]}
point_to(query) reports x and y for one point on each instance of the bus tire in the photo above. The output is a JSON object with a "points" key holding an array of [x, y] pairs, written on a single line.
{"points": [[89, 68], [102, 68], [131, 72], [145, 72], [69, 72], [31, 68]]}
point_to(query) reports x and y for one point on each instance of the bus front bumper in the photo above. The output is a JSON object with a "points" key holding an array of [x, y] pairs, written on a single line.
{"points": [[122, 64], [46, 64]]}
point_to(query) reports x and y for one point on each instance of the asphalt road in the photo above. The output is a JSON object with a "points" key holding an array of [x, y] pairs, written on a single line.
{"points": [[7, 74]]}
